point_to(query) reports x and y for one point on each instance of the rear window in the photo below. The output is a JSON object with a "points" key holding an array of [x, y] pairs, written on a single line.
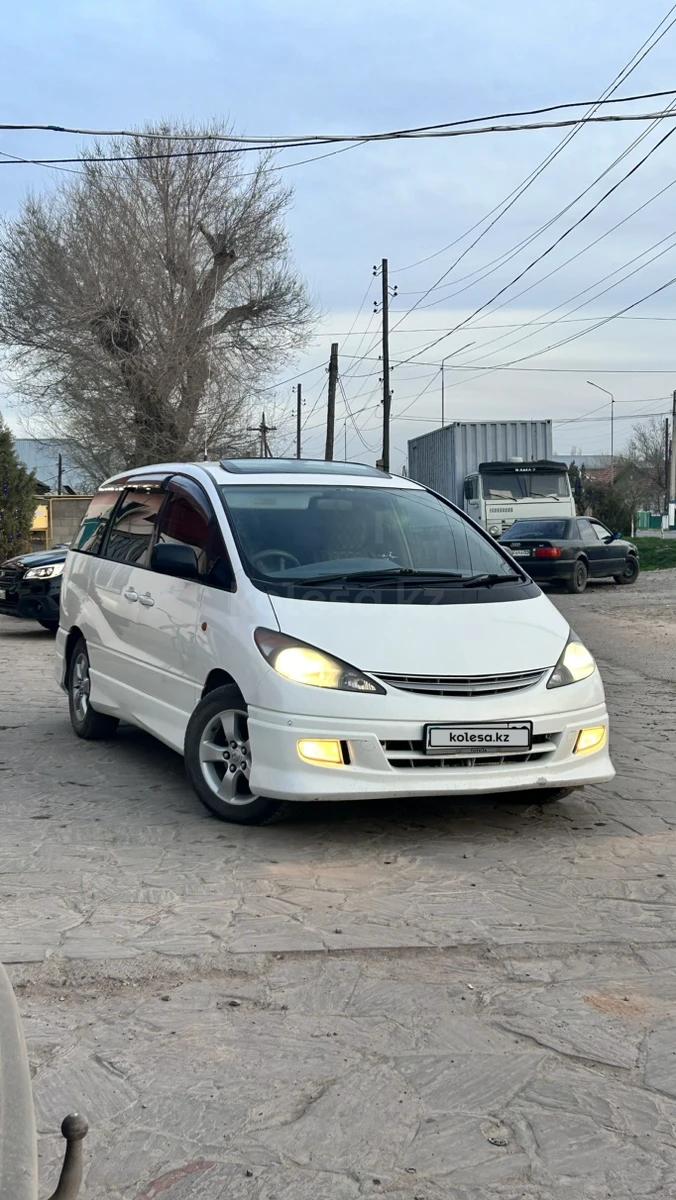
{"points": [[90, 535], [538, 529]]}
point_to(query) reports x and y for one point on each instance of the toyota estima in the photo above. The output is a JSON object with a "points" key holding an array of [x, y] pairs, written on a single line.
{"points": [[321, 631]]}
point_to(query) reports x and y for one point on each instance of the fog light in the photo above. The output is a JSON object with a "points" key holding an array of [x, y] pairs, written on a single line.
{"points": [[325, 753], [592, 739]]}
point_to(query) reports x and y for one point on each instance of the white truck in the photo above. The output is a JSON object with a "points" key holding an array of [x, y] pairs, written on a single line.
{"points": [[497, 471]]}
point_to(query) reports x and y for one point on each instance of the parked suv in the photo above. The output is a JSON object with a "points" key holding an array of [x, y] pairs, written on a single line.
{"points": [[321, 631], [30, 585]]}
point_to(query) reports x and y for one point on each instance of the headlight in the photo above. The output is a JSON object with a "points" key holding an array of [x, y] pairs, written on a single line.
{"points": [[575, 663], [49, 572], [305, 664], [495, 531]]}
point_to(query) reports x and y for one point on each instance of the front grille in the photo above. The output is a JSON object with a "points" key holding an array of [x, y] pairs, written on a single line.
{"points": [[411, 755], [10, 575], [464, 685]]}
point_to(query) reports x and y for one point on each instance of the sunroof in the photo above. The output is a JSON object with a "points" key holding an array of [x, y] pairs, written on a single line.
{"points": [[296, 466]]}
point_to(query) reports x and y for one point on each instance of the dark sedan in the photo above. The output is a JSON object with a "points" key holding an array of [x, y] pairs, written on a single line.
{"points": [[571, 552], [30, 586]]}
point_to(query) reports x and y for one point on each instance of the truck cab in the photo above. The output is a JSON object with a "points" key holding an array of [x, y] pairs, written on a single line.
{"points": [[499, 493]]}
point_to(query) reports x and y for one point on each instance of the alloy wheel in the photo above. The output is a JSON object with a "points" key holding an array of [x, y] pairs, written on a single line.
{"points": [[80, 685], [225, 757]]}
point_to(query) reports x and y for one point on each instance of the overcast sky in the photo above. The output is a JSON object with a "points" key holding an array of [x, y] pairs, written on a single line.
{"points": [[302, 67]]}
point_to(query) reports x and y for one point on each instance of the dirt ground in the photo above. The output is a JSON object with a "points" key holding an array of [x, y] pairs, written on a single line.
{"points": [[468, 999]]}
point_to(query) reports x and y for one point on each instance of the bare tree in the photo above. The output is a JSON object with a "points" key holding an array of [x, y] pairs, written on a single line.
{"points": [[142, 302], [647, 451]]}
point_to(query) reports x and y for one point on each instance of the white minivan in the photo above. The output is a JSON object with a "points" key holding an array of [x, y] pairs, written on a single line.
{"points": [[305, 630]]}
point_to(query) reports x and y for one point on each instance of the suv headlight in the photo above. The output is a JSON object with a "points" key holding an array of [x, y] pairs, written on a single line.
{"points": [[49, 572], [301, 663], [575, 663]]}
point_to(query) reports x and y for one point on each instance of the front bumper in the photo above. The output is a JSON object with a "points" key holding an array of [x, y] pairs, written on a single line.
{"points": [[387, 759], [33, 600]]}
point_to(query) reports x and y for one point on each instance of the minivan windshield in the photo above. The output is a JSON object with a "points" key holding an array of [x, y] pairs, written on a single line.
{"points": [[313, 534]]}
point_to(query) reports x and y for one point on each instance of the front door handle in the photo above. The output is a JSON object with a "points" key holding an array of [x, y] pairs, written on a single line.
{"points": [[146, 600], [131, 594]]}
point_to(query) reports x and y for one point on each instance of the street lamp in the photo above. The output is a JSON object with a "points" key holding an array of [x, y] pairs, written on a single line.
{"points": [[612, 428], [445, 359]]}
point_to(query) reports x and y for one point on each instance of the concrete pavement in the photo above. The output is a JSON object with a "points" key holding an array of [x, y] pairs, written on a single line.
{"points": [[468, 999]]}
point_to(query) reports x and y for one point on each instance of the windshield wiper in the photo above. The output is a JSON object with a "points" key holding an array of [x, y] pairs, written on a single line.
{"points": [[381, 576], [488, 580]]}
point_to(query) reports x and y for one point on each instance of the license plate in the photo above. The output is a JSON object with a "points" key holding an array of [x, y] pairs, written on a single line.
{"points": [[471, 740], [521, 553], [3, 594]]}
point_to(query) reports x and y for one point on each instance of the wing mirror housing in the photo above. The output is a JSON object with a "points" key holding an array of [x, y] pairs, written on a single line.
{"points": [[172, 559]]}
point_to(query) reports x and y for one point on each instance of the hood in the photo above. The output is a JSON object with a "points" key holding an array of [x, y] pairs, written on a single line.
{"points": [[446, 639], [42, 558]]}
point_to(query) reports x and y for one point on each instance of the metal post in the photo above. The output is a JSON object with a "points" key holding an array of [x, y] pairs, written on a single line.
{"points": [[442, 392], [74, 1129], [612, 440], [672, 485], [299, 401], [331, 402], [59, 476], [386, 366]]}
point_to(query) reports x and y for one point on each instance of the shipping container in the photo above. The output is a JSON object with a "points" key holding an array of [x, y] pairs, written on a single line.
{"points": [[444, 458]]}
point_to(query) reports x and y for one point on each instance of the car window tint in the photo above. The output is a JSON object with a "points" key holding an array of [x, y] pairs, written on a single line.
{"points": [[132, 530], [588, 532], [288, 532], [188, 520], [602, 532], [538, 529], [90, 535]]}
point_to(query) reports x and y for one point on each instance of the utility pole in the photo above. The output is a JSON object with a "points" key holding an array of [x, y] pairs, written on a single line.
{"points": [[667, 465], [344, 441], [299, 402], [331, 405], [59, 475], [387, 395], [263, 430], [672, 460]]}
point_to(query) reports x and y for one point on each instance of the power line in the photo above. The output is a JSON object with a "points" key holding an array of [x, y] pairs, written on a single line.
{"points": [[507, 324], [309, 138], [623, 74], [539, 326], [475, 277], [548, 250], [352, 418], [606, 118], [555, 370]]}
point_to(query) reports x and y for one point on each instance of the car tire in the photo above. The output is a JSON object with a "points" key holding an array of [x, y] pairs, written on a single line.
{"points": [[578, 580], [50, 626], [86, 721], [218, 760], [630, 573]]}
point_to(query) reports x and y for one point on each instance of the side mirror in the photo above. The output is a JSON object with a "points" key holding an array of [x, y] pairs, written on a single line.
{"points": [[468, 490], [172, 559]]}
